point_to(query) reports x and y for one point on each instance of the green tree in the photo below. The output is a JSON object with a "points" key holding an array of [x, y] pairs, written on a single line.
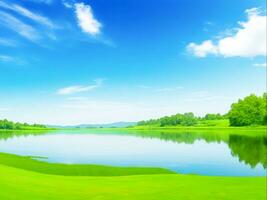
{"points": [[5, 124], [213, 116], [189, 119], [249, 111]]}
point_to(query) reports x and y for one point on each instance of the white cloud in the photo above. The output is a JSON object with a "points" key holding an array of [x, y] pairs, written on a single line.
{"points": [[18, 26], [7, 42], [86, 19], [11, 59], [260, 64], [5, 58], [66, 4], [27, 13], [75, 89], [80, 88], [41, 1], [249, 39], [203, 49]]}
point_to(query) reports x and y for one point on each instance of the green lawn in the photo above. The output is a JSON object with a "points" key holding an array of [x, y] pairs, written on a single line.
{"points": [[21, 184], [17, 184]]}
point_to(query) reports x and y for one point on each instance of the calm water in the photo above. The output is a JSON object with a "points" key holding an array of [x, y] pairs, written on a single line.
{"points": [[190, 153]]}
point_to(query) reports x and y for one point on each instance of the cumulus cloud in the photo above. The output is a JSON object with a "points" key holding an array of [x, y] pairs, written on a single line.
{"points": [[80, 88], [86, 19], [249, 39], [27, 13], [203, 49]]}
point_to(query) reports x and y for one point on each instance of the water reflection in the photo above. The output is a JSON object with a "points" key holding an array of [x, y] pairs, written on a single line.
{"points": [[8, 134], [250, 148], [201, 152]]}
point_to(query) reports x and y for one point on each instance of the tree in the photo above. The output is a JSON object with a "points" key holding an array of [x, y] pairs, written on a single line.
{"points": [[213, 116], [249, 111], [189, 119]]}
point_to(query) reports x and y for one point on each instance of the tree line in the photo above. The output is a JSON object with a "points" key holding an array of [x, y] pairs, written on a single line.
{"points": [[186, 119], [5, 124], [252, 110]]}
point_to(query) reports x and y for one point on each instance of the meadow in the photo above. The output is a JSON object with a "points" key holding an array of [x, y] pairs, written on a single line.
{"points": [[24, 183]]}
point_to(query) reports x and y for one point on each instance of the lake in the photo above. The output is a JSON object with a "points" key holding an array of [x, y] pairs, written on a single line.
{"points": [[198, 152]]}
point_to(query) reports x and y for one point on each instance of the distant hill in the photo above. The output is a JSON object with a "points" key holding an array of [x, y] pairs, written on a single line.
{"points": [[110, 125]]}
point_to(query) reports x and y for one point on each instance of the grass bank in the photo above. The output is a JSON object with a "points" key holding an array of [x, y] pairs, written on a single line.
{"points": [[27, 163], [192, 128], [156, 130], [28, 185], [223, 124]]}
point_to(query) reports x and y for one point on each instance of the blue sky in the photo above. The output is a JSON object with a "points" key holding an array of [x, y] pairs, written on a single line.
{"points": [[72, 62]]}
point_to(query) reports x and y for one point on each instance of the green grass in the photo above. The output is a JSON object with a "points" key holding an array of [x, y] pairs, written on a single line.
{"points": [[208, 125], [28, 163], [17, 184], [216, 123], [203, 124], [194, 131]]}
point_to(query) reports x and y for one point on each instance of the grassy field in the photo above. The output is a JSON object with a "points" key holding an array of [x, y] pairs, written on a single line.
{"points": [[17, 184]]}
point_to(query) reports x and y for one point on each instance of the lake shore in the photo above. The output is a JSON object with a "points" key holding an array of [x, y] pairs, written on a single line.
{"points": [[249, 130], [31, 179], [245, 130], [30, 184], [33, 163]]}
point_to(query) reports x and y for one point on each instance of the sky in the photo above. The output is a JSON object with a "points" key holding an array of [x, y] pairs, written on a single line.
{"points": [[96, 61]]}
